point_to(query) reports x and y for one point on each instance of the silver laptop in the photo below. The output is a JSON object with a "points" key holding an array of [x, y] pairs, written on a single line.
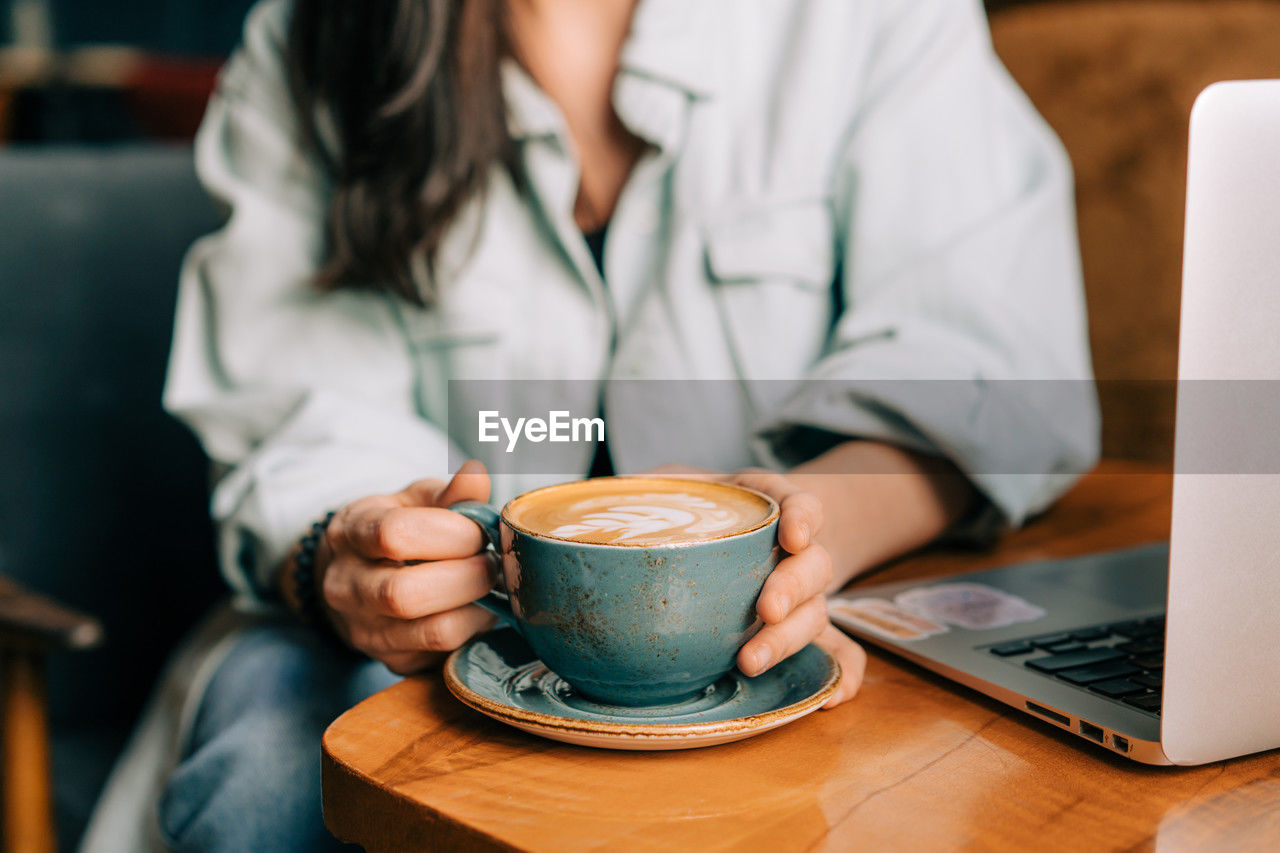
{"points": [[1166, 653]]}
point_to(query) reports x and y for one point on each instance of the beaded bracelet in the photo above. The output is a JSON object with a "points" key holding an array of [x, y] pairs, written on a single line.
{"points": [[304, 573]]}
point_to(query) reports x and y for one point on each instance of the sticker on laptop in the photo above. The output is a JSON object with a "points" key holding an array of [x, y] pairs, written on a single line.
{"points": [[882, 617], [975, 606]]}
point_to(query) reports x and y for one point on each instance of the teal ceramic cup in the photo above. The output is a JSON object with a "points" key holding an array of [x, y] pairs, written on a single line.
{"points": [[631, 625]]}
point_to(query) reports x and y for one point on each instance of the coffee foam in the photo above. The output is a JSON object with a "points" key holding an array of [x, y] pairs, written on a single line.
{"points": [[639, 511]]}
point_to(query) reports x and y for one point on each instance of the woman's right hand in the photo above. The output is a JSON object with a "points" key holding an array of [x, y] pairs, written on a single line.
{"points": [[397, 573]]}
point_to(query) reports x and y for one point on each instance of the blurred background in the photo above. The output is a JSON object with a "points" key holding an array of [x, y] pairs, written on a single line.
{"points": [[103, 499], [85, 71]]}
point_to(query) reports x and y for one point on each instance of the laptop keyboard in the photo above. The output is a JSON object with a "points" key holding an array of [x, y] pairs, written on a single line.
{"points": [[1123, 661]]}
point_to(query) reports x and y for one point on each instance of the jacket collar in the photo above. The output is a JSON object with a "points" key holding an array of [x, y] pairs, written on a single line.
{"points": [[674, 42], [671, 44]]}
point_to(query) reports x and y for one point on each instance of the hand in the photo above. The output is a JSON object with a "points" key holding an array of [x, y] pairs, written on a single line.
{"points": [[792, 603], [397, 572]]}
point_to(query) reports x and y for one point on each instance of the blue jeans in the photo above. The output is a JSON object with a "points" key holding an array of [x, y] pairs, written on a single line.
{"points": [[249, 778]]}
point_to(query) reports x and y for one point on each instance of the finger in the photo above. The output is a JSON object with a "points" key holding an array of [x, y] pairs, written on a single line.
{"points": [[801, 511], [853, 664], [404, 533], [421, 493], [773, 484], [439, 632], [776, 642], [800, 521], [408, 663], [416, 590], [471, 483], [339, 533], [794, 581]]}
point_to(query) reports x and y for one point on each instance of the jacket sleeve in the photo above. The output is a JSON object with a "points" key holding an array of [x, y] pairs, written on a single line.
{"points": [[962, 331], [303, 400]]}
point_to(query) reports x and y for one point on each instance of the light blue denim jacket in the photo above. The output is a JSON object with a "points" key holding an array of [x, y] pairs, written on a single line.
{"points": [[851, 190]]}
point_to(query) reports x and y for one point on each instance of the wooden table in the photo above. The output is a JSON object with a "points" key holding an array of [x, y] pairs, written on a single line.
{"points": [[913, 763]]}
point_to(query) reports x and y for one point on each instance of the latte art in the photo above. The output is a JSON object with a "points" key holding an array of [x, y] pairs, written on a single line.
{"points": [[648, 515], [639, 511]]}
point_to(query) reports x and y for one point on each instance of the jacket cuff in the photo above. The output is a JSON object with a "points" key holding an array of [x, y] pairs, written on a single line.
{"points": [[1021, 443], [265, 504]]}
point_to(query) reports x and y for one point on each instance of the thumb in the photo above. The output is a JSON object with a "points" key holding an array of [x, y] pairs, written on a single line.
{"points": [[471, 483]]}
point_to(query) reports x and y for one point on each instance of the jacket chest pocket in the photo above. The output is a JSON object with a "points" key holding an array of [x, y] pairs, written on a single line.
{"points": [[772, 268], [450, 344]]}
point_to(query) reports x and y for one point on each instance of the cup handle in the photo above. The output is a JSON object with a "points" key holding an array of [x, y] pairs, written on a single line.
{"points": [[490, 521]]}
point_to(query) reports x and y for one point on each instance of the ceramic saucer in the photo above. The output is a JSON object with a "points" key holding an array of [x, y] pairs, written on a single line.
{"points": [[498, 675]]}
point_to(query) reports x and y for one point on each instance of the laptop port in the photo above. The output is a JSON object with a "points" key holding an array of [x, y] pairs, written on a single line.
{"points": [[1060, 719], [1120, 743], [1091, 731]]}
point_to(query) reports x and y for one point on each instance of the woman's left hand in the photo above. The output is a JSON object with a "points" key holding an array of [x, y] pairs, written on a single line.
{"points": [[793, 603]]}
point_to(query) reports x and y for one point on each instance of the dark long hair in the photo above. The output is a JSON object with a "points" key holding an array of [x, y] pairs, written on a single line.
{"points": [[412, 91]]}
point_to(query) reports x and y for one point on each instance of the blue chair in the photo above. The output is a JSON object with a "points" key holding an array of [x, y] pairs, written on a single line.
{"points": [[103, 498]]}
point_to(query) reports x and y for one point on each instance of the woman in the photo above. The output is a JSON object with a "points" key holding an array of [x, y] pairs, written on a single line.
{"points": [[848, 192]]}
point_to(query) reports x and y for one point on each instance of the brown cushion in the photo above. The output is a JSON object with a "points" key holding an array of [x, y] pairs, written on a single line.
{"points": [[1116, 79]]}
